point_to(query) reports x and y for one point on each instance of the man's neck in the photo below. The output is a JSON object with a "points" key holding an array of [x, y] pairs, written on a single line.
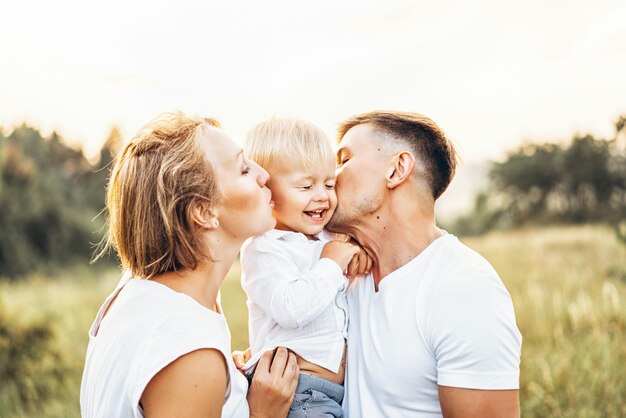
{"points": [[393, 238]]}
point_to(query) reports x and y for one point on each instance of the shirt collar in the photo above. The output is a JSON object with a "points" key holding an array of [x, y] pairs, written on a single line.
{"points": [[288, 235]]}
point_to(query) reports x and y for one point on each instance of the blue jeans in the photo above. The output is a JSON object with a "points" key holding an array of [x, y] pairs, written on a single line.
{"points": [[316, 398]]}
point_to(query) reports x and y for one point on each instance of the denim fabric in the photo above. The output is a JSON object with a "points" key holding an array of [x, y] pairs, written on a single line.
{"points": [[316, 398]]}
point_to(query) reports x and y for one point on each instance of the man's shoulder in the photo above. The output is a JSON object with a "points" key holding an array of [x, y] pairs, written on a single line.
{"points": [[461, 274], [463, 261]]}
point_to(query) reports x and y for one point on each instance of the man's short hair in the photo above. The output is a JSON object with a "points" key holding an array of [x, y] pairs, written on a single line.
{"points": [[295, 141], [425, 139]]}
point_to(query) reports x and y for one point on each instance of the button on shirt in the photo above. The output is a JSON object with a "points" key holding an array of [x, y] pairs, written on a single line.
{"points": [[295, 299]]}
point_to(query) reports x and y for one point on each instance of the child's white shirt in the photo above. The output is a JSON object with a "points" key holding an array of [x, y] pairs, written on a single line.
{"points": [[295, 299]]}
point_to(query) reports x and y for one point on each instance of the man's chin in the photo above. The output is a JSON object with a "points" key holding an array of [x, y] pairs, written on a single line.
{"points": [[337, 224]]}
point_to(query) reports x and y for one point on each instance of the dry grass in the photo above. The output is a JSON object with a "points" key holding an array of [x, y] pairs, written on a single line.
{"points": [[568, 285]]}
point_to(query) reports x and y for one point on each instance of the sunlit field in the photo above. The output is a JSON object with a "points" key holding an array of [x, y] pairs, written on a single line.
{"points": [[568, 285]]}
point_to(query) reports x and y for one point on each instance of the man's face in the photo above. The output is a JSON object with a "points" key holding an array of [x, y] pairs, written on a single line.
{"points": [[361, 169]]}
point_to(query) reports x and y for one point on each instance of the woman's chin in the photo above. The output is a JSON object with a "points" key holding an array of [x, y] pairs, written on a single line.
{"points": [[267, 226]]}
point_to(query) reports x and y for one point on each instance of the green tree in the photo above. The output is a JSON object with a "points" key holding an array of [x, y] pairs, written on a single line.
{"points": [[581, 181], [49, 194]]}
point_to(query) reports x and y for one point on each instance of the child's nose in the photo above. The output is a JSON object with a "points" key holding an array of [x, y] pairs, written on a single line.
{"points": [[321, 194]]}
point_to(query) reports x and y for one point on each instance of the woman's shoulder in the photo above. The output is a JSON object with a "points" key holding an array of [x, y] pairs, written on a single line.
{"points": [[173, 315]]}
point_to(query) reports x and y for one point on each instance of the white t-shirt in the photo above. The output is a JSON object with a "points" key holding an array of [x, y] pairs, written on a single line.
{"points": [[295, 300], [444, 318], [148, 327]]}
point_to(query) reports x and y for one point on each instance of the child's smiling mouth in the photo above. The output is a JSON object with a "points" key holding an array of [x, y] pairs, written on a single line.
{"points": [[316, 215]]}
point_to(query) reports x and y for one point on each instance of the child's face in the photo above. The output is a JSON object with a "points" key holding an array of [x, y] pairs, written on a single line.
{"points": [[304, 201]]}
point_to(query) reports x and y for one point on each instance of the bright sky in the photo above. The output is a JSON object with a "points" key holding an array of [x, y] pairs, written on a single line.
{"points": [[491, 73]]}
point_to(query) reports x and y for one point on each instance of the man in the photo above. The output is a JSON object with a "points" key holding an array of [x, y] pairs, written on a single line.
{"points": [[432, 329]]}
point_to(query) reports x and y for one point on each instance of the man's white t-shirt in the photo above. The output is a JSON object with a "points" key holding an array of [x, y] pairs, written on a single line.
{"points": [[148, 327], [444, 318]]}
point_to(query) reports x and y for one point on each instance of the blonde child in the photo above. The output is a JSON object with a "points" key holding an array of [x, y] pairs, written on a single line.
{"points": [[293, 275]]}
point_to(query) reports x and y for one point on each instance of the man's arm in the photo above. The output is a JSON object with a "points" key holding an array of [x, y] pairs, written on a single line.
{"points": [[473, 403], [477, 346]]}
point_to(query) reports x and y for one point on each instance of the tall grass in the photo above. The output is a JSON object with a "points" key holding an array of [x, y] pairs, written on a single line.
{"points": [[568, 285]]}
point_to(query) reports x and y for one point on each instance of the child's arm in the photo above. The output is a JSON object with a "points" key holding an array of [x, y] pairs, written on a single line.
{"points": [[361, 262], [291, 297]]}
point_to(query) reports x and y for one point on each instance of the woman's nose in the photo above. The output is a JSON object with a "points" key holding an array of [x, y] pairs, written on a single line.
{"points": [[263, 176]]}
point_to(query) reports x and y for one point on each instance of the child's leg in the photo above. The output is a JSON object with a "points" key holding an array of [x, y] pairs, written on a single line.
{"points": [[316, 398]]}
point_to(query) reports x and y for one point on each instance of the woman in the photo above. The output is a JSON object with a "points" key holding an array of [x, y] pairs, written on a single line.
{"points": [[181, 200]]}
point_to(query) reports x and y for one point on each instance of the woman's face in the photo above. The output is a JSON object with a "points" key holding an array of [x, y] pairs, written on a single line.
{"points": [[246, 207]]}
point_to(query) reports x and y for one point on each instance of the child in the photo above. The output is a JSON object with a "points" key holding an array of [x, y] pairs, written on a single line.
{"points": [[294, 275]]}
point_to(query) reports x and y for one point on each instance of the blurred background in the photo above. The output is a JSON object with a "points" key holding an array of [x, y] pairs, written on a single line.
{"points": [[532, 93]]}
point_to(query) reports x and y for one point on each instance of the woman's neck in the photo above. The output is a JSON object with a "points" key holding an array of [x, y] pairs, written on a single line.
{"points": [[202, 283]]}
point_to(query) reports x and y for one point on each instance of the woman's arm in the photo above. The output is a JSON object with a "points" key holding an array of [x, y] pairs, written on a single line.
{"points": [[194, 385]]}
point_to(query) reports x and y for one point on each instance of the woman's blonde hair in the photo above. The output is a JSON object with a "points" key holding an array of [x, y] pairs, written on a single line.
{"points": [[292, 141], [156, 180]]}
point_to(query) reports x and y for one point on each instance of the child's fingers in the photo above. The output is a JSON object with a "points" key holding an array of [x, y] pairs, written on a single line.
{"points": [[370, 263], [239, 359], [362, 262], [353, 267]]}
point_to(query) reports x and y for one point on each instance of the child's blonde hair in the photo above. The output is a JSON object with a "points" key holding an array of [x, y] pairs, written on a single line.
{"points": [[294, 141]]}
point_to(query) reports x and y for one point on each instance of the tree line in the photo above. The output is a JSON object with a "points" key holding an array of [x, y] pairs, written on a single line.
{"points": [[580, 181], [51, 195]]}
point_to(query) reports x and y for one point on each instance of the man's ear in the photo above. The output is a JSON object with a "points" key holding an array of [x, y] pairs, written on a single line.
{"points": [[400, 170], [204, 217]]}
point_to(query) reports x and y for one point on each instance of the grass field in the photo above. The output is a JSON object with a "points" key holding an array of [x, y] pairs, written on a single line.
{"points": [[568, 285]]}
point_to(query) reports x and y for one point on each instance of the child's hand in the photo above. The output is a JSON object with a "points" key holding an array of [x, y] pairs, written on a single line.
{"points": [[241, 357], [341, 252], [360, 264]]}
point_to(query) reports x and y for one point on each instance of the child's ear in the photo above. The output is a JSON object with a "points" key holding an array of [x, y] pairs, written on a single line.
{"points": [[401, 168], [204, 217]]}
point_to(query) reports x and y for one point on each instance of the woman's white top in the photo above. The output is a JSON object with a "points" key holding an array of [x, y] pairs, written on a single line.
{"points": [[295, 300], [148, 327]]}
